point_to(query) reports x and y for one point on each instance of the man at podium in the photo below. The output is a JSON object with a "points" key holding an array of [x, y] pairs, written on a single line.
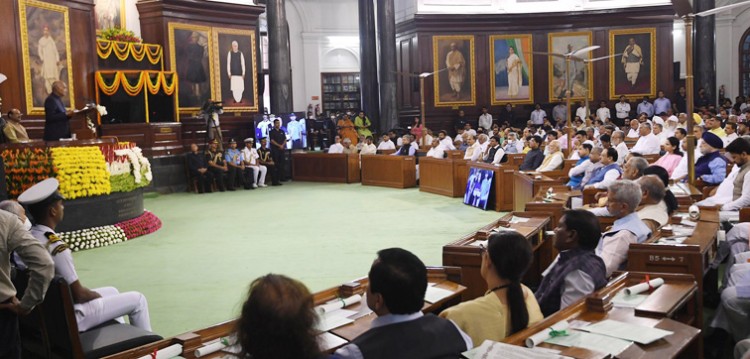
{"points": [[57, 118]]}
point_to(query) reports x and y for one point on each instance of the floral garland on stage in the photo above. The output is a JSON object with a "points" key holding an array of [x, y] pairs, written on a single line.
{"points": [[82, 171], [25, 167], [107, 235]]}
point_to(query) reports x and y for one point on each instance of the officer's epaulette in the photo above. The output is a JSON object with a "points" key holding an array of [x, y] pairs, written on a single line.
{"points": [[59, 249], [52, 237]]}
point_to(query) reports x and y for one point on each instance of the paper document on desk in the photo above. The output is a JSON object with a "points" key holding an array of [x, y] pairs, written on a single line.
{"points": [[672, 240], [328, 341], [495, 350], [637, 333], [623, 300], [434, 294], [335, 319], [596, 342], [515, 219], [479, 243], [502, 229]]}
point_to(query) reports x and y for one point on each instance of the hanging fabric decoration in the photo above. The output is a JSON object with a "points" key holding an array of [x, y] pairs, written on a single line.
{"points": [[134, 86], [123, 50]]}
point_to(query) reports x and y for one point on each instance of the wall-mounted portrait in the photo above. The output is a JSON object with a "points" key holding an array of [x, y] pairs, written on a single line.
{"points": [[190, 49], [512, 61], [235, 67], [633, 73], [579, 78], [45, 41], [109, 14], [453, 61]]}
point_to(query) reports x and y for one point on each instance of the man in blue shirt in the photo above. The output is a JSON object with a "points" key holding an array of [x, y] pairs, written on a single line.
{"points": [[662, 104], [645, 107], [711, 168], [233, 157]]}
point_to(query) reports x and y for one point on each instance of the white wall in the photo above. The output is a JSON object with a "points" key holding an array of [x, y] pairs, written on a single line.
{"points": [[729, 29]]}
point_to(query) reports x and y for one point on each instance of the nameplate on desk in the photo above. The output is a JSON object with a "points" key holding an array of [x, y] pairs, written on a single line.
{"points": [[652, 258]]}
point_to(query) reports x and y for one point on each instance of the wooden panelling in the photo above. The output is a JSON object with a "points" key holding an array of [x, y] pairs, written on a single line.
{"points": [[389, 171], [324, 167], [422, 27]]}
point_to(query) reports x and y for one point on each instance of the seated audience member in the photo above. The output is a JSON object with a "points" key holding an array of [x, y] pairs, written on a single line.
{"points": [[512, 144], [739, 150], [413, 142], [669, 199], [605, 141], [198, 167], [217, 166], [634, 132], [386, 144], [658, 131], [623, 197], [233, 159], [446, 141], [634, 167], [368, 148], [508, 306], [469, 130], [681, 171], [436, 150], [458, 141], [14, 130], [577, 271], [652, 204], [736, 243], [648, 143], [672, 155], [554, 160], [255, 173], [711, 168], [494, 154], [337, 147], [607, 174], [618, 142], [406, 148], [92, 307], [266, 160], [398, 282], [348, 146], [360, 143], [551, 136], [731, 130], [578, 171], [474, 152], [278, 321], [732, 317], [595, 163], [483, 141], [534, 157]]}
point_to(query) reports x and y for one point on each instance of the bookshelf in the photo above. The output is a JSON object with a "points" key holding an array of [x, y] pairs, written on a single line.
{"points": [[340, 91]]}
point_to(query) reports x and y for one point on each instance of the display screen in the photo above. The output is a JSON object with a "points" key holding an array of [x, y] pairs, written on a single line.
{"points": [[293, 124], [478, 187]]}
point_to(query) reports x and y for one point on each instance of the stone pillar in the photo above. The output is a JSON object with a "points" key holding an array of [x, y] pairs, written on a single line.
{"points": [[387, 43], [279, 58], [368, 54], [704, 49]]}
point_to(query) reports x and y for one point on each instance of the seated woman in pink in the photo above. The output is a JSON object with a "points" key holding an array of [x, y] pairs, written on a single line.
{"points": [[672, 157]]}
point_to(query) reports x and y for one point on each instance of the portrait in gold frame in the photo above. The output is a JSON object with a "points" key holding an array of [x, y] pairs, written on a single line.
{"points": [[581, 74], [45, 43], [451, 87], [516, 69], [190, 54], [632, 74], [228, 88], [109, 14]]}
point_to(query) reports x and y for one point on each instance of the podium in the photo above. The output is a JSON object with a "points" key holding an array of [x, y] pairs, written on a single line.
{"points": [[79, 123]]}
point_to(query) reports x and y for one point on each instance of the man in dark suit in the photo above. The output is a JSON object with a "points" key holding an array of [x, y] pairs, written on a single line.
{"points": [[57, 118]]}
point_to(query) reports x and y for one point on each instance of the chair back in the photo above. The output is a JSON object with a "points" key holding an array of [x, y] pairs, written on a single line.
{"points": [[60, 320]]}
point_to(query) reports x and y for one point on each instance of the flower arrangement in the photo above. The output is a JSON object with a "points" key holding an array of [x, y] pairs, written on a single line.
{"points": [[107, 235], [82, 171], [25, 167], [128, 169], [118, 34]]}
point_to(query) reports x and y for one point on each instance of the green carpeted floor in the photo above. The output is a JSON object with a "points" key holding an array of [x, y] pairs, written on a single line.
{"points": [[195, 270]]}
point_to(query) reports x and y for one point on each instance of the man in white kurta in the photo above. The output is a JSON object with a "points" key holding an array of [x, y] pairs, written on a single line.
{"points": [[47, 50], [456, 64], [236, 71], [632, 59]]}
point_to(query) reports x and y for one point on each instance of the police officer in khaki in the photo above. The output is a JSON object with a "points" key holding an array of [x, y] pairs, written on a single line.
{"points": [[92, 307]]}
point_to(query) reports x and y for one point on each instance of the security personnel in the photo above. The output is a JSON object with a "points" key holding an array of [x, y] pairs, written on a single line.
{"points": [[92, 307], [278, 149], [233, 158], [266, 160], [217, 166]]}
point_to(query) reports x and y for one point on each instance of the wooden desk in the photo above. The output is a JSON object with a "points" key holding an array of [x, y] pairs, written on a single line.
{"points": [[446, 176], [527, 184], [324, 167], [502, 186], [693, 256], [686, 194], [677, 295], [559, 202], [389, 171], [463, 254], [442, 277], [515, 159]]}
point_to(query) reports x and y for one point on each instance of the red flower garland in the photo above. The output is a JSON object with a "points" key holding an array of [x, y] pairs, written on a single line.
{"points": [[141, 225]]}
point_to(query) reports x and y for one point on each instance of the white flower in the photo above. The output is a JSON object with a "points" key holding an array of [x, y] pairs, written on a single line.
{"points": [[101, 109]]}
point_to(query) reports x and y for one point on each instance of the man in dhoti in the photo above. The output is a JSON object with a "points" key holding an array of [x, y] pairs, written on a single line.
{"points": [[236, 71], [632, 59], [456, 65], [513, 66], [50, 57]]}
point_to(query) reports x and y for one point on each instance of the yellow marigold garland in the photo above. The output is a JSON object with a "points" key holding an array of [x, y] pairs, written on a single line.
{"points": [[159, 82], [82, 171], [122, 50]]}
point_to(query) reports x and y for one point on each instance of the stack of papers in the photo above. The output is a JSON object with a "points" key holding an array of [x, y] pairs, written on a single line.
{"points": [[434, 294], [495, 350], [632, 332], [515, 219], [596, 342], [333, 315]]}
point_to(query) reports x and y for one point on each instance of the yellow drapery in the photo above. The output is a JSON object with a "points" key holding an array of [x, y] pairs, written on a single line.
{"points": [[122, 50]]}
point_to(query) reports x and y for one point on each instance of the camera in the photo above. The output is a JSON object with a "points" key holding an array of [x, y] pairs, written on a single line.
{"points": [[210, 107]]}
